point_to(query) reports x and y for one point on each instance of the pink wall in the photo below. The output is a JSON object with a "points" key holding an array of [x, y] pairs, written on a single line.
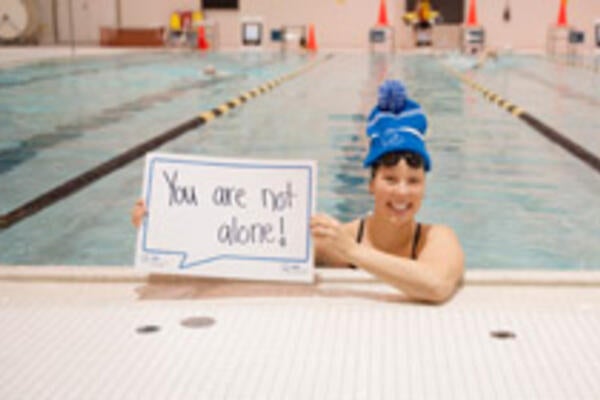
{"points": [[345, 23], [338, 23], [530, 20]]}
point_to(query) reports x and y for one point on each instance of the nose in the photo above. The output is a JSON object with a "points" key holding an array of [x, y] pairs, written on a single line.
{"points": [[401, 188]]}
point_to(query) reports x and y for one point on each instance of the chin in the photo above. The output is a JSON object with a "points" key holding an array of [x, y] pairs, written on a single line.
{"points": [[400, 221], [400, 218]]}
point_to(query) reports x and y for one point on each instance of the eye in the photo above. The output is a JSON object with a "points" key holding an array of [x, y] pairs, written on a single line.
{"points": [[414, 180], [389, 178]]}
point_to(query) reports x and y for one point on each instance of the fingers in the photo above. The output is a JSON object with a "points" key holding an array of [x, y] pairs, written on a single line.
{"points": [[324, 226], [332, 239], [322, 231], [138, 213], [324, 220]]}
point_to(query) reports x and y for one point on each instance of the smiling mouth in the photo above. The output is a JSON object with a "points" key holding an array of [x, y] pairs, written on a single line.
{"points": [[400, 207]]}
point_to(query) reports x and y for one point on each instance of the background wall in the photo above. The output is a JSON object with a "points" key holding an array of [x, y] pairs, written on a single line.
{"points": [[530, 20], [339, 23]]}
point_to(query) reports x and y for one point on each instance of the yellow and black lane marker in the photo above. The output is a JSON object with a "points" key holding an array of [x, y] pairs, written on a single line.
{"points": [[550, 133], [86, 178]]}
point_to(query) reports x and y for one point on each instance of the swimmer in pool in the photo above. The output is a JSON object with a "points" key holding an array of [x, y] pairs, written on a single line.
{"points": [[210, 70], [424, 261]]}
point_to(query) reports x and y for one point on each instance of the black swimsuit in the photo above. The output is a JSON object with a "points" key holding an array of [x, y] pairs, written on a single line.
{"points": [[413, 255]]}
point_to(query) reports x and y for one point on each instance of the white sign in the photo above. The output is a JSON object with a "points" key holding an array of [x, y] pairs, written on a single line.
{"points": [[231, 218]]}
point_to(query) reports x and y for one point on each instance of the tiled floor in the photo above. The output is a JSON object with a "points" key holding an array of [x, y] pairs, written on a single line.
{"points": [[336, 340]]}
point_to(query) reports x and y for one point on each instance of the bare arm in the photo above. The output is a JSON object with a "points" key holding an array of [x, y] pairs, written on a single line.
{"points": [[433, 277]]}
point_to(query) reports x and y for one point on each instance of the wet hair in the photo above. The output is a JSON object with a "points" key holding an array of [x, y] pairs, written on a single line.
{"points": [[413, 160]]}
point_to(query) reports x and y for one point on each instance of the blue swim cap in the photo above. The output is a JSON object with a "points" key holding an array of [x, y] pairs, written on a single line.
{"points": [[392, 96], [392, 128], [388, 136]]}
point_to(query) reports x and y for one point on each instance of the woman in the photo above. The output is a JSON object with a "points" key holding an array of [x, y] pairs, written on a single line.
{"points": [[424, 261]]}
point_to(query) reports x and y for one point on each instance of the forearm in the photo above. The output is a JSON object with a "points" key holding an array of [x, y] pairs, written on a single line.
{"points": [[326, 256], [415, 279]]}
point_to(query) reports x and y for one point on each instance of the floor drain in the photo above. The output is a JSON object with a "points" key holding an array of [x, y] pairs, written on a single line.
{"points": [[198, 322], [502, 334], [147, 329]]}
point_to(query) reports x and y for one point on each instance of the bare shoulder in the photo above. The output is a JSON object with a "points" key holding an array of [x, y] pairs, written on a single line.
{"points": [[439, 233], [442, 246], [441, 242]]}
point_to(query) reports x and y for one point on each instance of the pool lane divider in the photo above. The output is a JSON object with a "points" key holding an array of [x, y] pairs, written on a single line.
{"points": [[548, 132], [95, 173]]}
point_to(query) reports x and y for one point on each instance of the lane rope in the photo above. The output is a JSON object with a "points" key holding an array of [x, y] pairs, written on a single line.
{"points": [[545, 130], [93, 174]]}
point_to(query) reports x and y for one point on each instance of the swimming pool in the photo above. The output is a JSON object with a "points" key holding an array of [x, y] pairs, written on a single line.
{"points": [[515, 199]]}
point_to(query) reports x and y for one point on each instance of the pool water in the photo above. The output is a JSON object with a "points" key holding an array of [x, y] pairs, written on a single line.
{"points": [[515, 199]]}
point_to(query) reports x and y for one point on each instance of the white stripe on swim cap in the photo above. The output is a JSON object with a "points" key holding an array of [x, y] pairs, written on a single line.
{"points": [[406, 129], [415, 132], [404, 114]]}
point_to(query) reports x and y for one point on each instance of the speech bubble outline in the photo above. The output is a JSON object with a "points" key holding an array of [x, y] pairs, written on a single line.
{"points": [[184, 264]]}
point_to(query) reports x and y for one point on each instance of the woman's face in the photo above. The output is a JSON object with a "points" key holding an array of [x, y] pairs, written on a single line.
{"points": [[398, 191]]}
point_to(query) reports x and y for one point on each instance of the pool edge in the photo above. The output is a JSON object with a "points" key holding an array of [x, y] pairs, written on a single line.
{"points": [[126, 274]]}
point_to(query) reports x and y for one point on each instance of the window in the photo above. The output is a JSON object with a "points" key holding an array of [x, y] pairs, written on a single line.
{"points": [[220, 4], [452, 11]]}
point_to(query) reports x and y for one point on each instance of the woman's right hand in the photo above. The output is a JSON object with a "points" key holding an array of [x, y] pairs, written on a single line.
{"points": [[138, 212]]}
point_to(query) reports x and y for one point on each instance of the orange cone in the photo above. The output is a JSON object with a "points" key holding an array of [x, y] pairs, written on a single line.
{"points": [[202, 42], [383, 18], [311, 44], [562, 14], [472, 17]]}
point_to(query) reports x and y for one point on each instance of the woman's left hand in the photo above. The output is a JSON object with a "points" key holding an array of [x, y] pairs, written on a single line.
{"points": [[331, 238]]}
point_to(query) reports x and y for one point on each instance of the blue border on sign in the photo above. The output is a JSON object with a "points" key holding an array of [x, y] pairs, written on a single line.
{"points": [[230, 164]]}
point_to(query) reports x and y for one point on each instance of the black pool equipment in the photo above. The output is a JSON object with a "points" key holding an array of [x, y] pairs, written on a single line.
{"points": [[506, 12], [576, 37], [376, 36], [276, 35]]}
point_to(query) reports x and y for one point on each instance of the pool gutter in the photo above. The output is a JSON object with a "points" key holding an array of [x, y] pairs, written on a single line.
{"points": [[126, 274]]}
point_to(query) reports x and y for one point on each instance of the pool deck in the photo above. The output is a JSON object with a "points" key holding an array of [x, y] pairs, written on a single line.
{"points": [[98, 333], [11, 56]]}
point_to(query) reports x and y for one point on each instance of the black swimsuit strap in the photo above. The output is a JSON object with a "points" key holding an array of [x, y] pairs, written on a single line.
{"points": [[416, 242], [361, 229], [359, 235]]}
